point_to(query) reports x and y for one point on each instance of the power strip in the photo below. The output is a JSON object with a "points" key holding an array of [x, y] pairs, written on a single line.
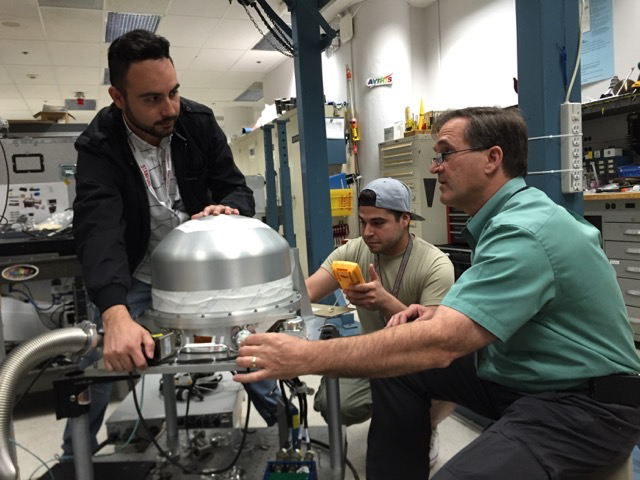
{"points": [[571, 147]]}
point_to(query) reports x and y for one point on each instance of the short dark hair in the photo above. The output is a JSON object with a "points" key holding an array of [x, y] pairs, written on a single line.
{"points": [[489, 126], [134, 46], [367, 198]]}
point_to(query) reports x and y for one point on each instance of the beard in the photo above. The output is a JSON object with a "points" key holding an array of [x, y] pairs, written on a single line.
{"points": [[160, 129]]}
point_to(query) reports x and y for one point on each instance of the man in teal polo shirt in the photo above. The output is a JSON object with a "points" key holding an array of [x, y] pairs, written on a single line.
{"points": [[534, 335]]}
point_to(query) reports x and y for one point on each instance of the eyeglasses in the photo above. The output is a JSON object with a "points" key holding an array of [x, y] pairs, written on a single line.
{"points": [[439, 158]]}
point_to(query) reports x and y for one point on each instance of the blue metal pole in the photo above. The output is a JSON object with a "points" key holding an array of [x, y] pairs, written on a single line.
{"points": [[544, 27], [313, 139], [286, 198], [270, 174]]}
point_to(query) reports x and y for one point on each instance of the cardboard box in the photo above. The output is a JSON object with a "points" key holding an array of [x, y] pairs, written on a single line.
{"points": [[53, 117], [51, 113]]}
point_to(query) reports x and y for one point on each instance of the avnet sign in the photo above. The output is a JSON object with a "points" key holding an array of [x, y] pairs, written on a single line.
{"points": [[380, 81]]}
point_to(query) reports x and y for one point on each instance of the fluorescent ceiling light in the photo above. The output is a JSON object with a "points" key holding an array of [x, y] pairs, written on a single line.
{"points": [[268, 42], [85, 4], [251, 94], [120, 23]]}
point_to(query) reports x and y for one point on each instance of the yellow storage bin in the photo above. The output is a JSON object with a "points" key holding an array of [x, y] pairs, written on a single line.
{"points": [[341, 202]]}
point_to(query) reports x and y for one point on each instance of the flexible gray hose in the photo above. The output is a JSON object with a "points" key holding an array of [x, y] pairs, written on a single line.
{"points": [[20, 361]]}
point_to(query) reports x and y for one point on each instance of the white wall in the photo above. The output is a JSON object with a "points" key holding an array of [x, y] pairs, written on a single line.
{"points": [[381, 46], [235, 118], [456, 53], [475, 58], [279, 82]]}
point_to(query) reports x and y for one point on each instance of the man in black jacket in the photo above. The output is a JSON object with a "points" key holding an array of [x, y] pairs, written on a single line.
{"points": [[146, 164]]}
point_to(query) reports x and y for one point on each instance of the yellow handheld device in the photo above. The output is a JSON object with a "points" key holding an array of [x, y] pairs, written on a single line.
{"points": [[347, 273]]}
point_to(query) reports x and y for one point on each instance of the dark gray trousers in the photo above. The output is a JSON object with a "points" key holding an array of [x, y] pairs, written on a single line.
{"points": [[552, 435]]}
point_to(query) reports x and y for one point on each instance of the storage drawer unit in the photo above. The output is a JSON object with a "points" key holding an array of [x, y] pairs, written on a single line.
{"points": [[408, 160], [619, 221], [456, 221]]}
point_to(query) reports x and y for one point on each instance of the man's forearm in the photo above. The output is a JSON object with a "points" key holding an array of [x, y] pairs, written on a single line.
{"points": [[385, 353]]}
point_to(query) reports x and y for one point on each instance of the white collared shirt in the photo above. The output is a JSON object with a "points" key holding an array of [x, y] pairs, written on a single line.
{"points": [[166, 208]]}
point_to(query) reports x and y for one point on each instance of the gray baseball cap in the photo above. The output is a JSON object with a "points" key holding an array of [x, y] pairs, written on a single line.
{"points": [[392, 194]]}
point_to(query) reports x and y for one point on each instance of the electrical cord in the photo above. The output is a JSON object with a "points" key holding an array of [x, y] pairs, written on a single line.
{"points": [[346, 460], [39, 308], [132, 435], [6, 197], [287, 409], [34, 456], [172, 460], [186, 411], [577, 65], [46, 365], [46, 465]]}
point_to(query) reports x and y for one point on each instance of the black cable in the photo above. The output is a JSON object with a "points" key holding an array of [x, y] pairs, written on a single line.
{"points": [[47, 364], [60, 311], [104, 443], [6, 198], [288, 54], [287, 408], [242, 441], [287, 45], [172, 460], [144, 424], [346, 460], [186, 413]]}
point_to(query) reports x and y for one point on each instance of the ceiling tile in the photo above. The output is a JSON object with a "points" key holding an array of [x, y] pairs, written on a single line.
{"points": [[12, 9], [12, 52], [216, 60], [183, 57], [236, 80], [197, 78], [225, 95], [258, 61], [137, 6], [211, 95], [198, 8], [187, 31], [14, 104], [237, 12], [42, 92], [73, 25], [75, 54], [4, 76], [234, 34], [208, 38], [78, 75], [9, 91], [29, 29], [104, 50], [21, 74]]}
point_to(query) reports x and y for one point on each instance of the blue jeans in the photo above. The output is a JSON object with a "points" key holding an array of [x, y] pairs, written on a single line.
{"points": [[263, 394], [635, 456]]}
